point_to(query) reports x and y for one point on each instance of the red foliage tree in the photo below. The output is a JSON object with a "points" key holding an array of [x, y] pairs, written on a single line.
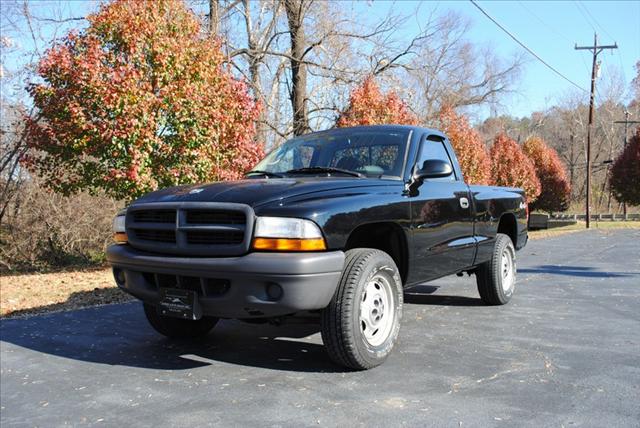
{"points": [[471, 153], [511, 167], [624, 178], [369, 106], [555, 192], [137, 101]]}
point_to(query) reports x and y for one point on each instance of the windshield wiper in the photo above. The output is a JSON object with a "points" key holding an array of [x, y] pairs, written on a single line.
{"points": [[266, 173], [320, 169]]}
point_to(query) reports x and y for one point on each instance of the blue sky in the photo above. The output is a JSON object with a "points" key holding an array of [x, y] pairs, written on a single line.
{"points": [[549, 28]]}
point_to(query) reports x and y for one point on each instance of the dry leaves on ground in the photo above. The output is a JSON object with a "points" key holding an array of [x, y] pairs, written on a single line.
{"points": [[59, 291]]}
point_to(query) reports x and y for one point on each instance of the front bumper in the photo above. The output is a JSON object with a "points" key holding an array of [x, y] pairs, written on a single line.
{"points": [[250, 286]]}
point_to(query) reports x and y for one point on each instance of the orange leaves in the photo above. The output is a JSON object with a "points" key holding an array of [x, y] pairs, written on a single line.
{"points": [[140, 100], [555, 189], [624, 178], [512, 168], [471, 153], [369, 106]]}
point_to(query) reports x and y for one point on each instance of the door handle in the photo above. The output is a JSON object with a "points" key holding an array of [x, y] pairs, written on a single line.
{"points": [[464, 203]]}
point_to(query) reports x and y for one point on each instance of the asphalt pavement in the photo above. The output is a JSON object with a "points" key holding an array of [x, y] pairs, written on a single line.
{"points": [[564, 352]]}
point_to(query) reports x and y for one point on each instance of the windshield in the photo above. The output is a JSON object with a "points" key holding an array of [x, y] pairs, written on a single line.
{"points": [[372, 153]]}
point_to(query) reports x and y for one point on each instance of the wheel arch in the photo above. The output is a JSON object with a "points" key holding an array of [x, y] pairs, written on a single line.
{"points": [[509, 226], [384, 236]]}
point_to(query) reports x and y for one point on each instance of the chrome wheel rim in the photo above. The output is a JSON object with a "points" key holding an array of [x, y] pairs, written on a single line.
{"points": [[377, 310], [507, 269]]}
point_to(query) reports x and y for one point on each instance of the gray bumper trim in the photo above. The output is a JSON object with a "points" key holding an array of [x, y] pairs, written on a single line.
{"points": [[308, 280]]}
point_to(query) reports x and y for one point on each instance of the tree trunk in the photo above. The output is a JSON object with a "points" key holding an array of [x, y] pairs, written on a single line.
{"points": [[214, 17], [298, 94], [261, 125]]}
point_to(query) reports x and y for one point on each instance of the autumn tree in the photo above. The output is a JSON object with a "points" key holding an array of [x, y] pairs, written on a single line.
{"points": [[625, 173], [369, 106], [512, 168], [139, 100], [471, 152], [634, 105], [555, 194]]}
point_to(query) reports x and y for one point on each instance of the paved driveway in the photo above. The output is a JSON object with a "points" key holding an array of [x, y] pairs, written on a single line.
{"points": [[564, 352]]}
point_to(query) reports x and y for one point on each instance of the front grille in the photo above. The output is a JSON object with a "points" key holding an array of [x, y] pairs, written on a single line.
{"points": [[155, 235], [155, 216], [215, 238], [215, 217], [191, 228]]}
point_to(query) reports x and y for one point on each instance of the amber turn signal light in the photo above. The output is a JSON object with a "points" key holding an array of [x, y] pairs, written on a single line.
{"points": [[287, 244], [120, 238]]}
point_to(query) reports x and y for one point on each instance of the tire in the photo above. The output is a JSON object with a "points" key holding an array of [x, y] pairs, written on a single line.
{"points": [[496, 278], [177, 328], [354, 328]]}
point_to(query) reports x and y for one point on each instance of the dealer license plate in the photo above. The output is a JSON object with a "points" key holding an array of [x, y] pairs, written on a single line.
{"points": [[178, 303]]}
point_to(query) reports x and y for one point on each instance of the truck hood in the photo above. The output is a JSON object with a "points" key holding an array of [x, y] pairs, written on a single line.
{"points": [[255, 192]]}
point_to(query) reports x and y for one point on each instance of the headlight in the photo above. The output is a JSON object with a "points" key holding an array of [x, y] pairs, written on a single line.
{"points": [[119, 231], [287, 234]]}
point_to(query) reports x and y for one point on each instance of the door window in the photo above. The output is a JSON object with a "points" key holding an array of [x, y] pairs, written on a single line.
{"points": [[431, 149]]}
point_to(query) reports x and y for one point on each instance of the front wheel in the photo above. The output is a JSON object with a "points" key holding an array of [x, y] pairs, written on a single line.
{"points": [[178, 328], [361, 323], [496, 278]]}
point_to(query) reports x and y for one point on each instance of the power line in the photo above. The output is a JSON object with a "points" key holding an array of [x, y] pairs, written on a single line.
{"points": [[618, 51], [549, 66], [543, 22], [586, 9], [586, 67], [586, 18]]}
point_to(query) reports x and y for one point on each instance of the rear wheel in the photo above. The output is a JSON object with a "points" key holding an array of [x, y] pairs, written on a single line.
{"points": [[362, 321], [176, 327], [496, 278]]}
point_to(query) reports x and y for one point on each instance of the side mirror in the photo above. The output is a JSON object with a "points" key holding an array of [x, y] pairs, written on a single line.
{"points": [[433, 168]]}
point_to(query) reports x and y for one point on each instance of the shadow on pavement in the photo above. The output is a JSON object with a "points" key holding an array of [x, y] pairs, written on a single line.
{"points": [[423, 295], [120, 335], [580, 271]]}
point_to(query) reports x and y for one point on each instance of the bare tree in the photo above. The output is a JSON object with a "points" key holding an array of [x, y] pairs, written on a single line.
{"points": [[295, 15], [450, 69]]}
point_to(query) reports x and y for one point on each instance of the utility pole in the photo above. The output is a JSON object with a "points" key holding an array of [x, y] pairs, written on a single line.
{"points": [[626, 122], [595, 49]]}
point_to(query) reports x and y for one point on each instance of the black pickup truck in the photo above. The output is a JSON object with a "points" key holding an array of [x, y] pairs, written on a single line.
{"points": [[336, 224]]}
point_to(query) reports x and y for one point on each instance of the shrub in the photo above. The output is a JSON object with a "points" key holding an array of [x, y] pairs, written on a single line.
{"points": [[44, 230], [138, 100], [471, 152], [624, 178], [369, 106], [555, 192], [512, 168]]}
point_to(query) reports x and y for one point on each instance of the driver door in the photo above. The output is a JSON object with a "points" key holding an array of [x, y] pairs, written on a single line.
{"points": [[441, 219]]}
